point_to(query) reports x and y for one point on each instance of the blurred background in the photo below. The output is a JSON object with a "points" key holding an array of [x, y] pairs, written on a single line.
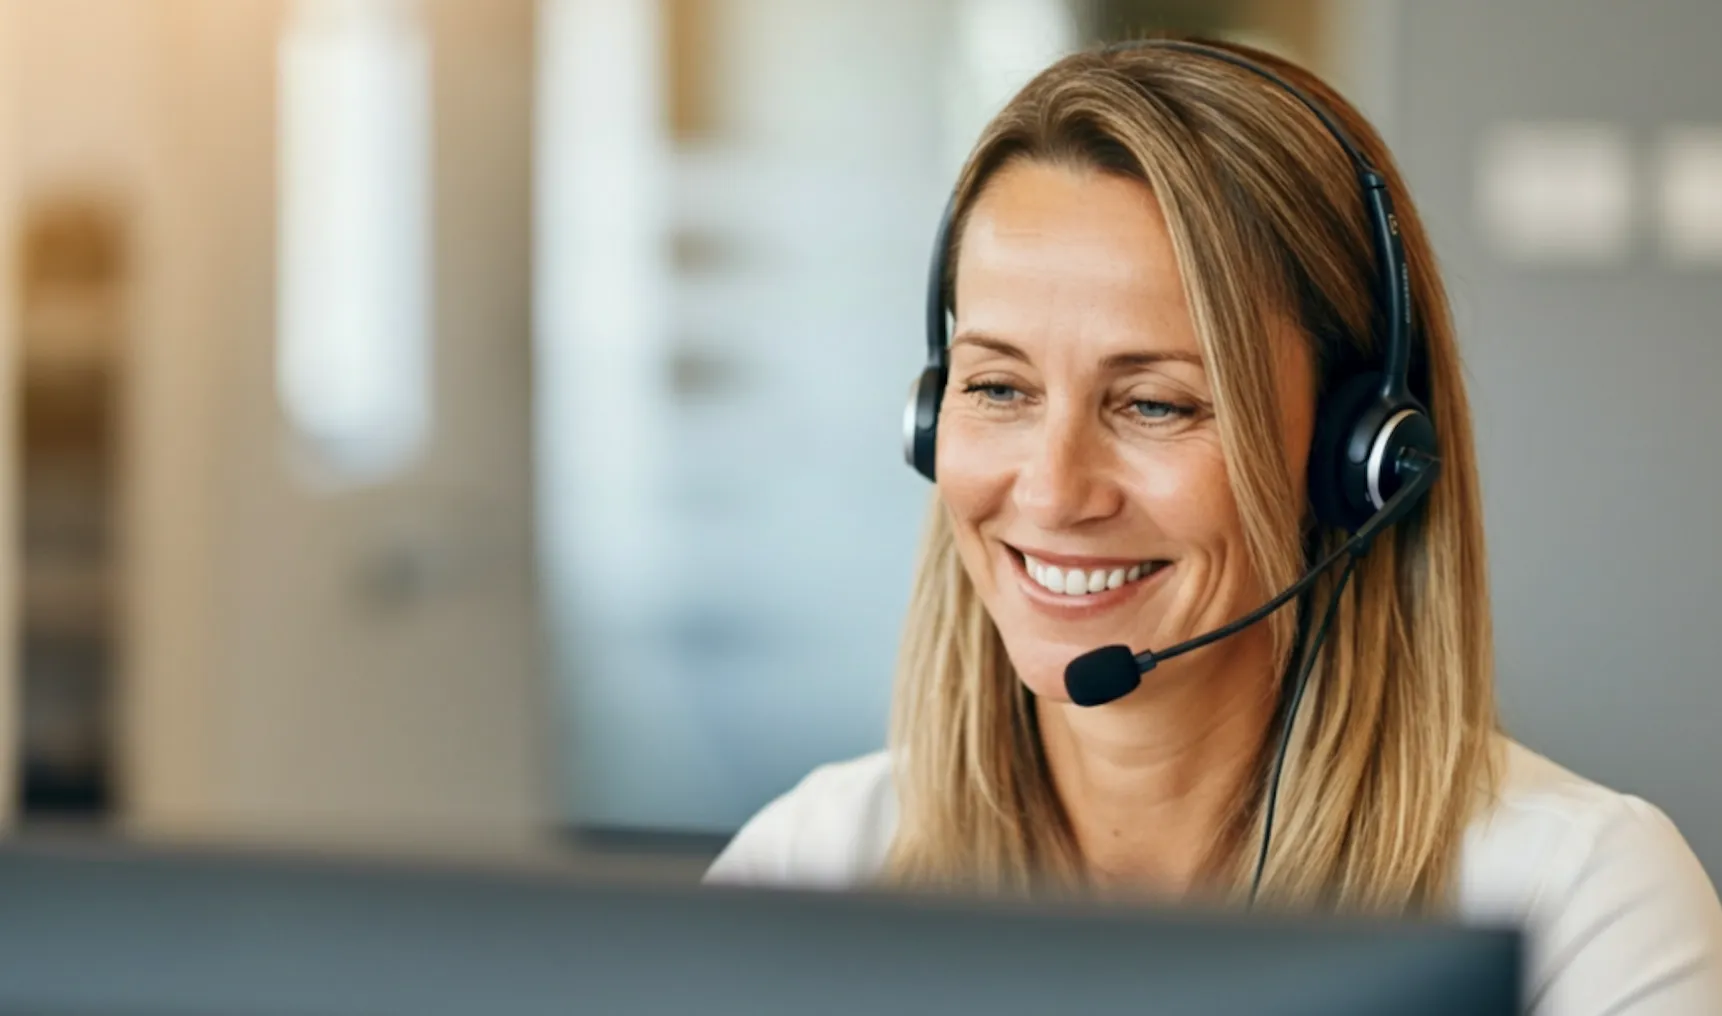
{"points": [[476, 422]]}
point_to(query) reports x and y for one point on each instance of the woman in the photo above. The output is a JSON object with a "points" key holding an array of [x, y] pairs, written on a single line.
{"points": [[1162, 280]]}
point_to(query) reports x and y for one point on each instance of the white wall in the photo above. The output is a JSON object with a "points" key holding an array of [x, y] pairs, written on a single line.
{"points": [[1594, 387]]}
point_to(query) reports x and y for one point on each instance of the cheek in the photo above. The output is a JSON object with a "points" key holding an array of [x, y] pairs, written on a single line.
{"points": [[973, 481], [973, 474], [1184, 489]]}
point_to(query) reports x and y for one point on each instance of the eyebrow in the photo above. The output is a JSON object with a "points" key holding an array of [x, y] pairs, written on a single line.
{"points": [[1116, 362]]}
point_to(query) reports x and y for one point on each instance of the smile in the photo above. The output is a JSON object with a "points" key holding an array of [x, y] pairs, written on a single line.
{"points": [[1072, 581], [1083, 583]]}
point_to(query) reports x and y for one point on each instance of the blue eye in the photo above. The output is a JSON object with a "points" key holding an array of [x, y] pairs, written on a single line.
{"points": [[992, 392], [1159, 410]]}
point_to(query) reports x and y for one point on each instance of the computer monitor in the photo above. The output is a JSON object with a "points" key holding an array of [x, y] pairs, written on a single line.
{"points": [[118, 932]]}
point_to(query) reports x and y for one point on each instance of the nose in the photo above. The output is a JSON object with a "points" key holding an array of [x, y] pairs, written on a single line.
{"points": [[1066, 480]]}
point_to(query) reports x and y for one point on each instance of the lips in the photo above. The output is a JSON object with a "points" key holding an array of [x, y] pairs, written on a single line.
{"points": [[1134, 580], [1074, 580]]}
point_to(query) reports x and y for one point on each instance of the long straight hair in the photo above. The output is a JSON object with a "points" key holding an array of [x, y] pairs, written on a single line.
{"points": [[1396, 739]]}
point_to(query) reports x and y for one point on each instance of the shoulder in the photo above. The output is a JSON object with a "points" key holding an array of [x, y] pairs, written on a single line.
{"points": [[1619, 913], [831, 830]]}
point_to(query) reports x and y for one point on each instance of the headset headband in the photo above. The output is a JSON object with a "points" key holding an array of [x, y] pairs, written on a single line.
{"points": [[1393, 277]]}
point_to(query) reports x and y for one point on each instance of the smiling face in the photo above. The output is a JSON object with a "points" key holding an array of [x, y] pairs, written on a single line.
{"points": [[1079, 454]]}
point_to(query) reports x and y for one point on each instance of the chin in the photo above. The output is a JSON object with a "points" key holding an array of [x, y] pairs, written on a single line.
{"points": [[1040, 666]]}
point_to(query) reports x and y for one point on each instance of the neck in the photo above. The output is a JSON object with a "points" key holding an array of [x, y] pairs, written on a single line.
{"points": [[1152, 784]]}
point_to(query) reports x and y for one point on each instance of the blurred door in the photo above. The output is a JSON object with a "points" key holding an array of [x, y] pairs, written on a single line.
{"points": [[739, 200], [315, 654]]}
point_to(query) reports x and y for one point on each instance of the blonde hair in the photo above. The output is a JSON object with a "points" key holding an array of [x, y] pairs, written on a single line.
{"points": [[1396, 734]]}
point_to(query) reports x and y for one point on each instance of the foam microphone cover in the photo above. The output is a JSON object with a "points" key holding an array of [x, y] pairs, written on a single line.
{"points": [[1104, 675]]}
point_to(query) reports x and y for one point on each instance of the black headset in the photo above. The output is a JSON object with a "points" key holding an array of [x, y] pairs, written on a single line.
{"points": [[1371, 432]]}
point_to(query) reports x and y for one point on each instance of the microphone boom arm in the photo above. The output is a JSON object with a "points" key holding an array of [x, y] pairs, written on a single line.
{"points": [[1422, 470]]}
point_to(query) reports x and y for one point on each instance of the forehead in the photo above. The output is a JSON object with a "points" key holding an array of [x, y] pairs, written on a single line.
{"points": [[1056, 253]]}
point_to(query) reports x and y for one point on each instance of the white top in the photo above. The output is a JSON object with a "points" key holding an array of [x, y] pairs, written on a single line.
{"points": [[1621, 918]]}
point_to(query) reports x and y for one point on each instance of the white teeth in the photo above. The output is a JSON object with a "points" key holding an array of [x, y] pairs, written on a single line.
{"points": [[1076, 582]]}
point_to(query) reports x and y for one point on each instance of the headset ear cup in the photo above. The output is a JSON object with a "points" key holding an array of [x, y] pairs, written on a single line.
{"points": [[921, 420], [1333, 490], [1409, 429]]}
